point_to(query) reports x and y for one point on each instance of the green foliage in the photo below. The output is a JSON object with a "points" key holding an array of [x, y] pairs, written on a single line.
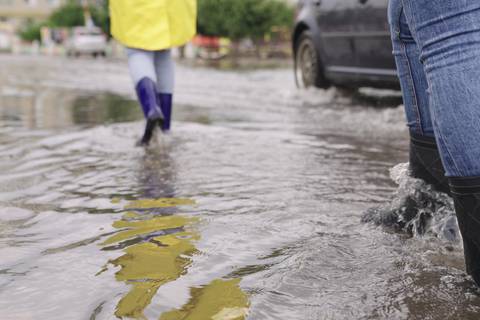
{"points": [[31, 31], [213, 17], [101, 17], [239, 19], [68, 15], [71, 15]]}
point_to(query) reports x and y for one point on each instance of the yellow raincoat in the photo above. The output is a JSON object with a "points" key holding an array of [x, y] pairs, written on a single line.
{"points": [[153, 24]]}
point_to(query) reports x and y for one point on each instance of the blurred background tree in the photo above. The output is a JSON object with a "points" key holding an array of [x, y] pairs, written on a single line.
{"points": [[71, 14], [68, 15], [31, 31], [239, 19], [101, 16], [212, 19]]}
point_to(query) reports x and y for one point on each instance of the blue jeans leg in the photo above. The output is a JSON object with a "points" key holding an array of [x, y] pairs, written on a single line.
{"points": [[447, 34], [412, 77]]}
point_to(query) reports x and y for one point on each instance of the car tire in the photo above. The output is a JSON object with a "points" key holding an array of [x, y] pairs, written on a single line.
{"points": [[308, 64]]}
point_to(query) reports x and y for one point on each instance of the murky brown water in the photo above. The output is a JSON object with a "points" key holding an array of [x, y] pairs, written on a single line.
{"points": [[249, 209]]}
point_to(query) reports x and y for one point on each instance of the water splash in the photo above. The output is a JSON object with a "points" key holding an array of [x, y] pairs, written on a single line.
{"points": [[416, 208]]}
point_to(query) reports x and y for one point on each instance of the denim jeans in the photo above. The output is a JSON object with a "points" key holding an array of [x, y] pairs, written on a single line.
{"points": [[436, 44]]}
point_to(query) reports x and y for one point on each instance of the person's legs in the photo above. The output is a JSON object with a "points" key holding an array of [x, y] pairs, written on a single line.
{"points": [[164, 68], [425, 162], [412, 78], [141, 64], [142, 70], [165, 71], [448, 37]]}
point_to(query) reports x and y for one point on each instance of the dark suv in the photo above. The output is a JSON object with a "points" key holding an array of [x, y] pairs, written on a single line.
{"points": [[344, 43]]}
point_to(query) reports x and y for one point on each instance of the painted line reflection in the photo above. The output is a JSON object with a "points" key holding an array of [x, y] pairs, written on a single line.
{"points": [[158, 249]]}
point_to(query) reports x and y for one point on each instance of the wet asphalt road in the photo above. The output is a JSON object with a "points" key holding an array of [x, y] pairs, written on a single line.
{"points": [[249, 209]]}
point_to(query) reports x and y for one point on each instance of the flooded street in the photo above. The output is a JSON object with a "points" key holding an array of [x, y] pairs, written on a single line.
{"points": [[250, 209]]}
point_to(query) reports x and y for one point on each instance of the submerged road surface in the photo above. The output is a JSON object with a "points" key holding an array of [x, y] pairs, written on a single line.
{"points": [[249, 209]]}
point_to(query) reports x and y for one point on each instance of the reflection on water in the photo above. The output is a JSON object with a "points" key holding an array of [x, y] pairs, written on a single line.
{"points": [[104, 108], [219, 300], [39, 108], [159, 203], [158, 250], [159, 243]]}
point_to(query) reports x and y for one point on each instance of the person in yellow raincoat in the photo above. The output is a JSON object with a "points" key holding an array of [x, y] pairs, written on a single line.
{"points": [[149, 29]]}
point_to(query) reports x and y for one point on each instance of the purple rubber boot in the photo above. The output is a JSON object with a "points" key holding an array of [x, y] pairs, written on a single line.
{"points": [[147, 96], [165, 102]]}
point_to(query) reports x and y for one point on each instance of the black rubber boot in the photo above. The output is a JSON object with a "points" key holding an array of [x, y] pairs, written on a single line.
{"points": [[425, 162], [466, 196]]}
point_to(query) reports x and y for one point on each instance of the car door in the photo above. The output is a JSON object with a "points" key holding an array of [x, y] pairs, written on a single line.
{"points": [[336, 31], [373, 48]]}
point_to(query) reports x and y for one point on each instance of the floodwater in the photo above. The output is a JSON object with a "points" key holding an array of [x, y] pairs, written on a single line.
{"points": [[250, 209]]}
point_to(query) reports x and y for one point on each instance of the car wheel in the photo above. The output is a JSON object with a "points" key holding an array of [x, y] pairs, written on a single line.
{"points": [[308, 66]]}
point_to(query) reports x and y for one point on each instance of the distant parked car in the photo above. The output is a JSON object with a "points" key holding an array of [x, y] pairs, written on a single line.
{"points": [[5, 41], [344, 43], [6, 37], [87, 40]]}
